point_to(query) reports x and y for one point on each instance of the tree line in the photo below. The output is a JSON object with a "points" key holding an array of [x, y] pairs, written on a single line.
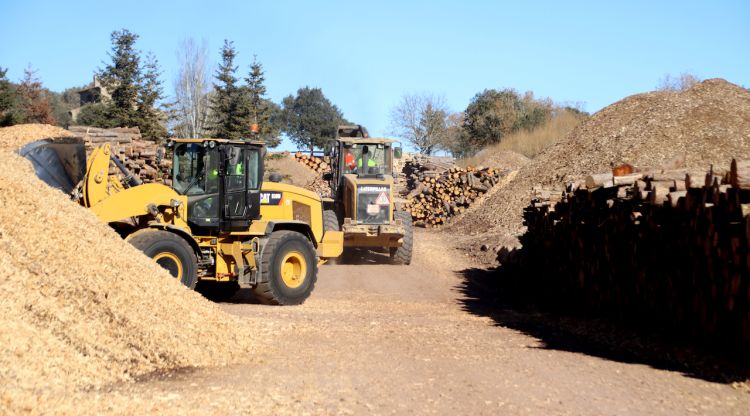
{"points": [[228, 106], [425, 121], [29, 102], [233, 104]]}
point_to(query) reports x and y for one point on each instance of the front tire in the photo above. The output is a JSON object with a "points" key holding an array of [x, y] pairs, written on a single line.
{"points": [[402, 255], [171, 252], [290, 269]]}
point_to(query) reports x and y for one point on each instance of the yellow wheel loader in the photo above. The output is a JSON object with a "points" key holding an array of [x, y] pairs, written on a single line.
{"points": [[362, 203], [218, 222]]}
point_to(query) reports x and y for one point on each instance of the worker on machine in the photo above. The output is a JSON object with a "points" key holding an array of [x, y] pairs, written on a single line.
{"points": [[370, 160], [349, 161]]}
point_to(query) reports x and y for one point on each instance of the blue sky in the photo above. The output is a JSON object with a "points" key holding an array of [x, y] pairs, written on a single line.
{"points": [[366, 55]]}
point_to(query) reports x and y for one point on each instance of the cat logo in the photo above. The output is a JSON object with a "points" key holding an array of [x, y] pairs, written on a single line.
{"points": [[270, 198]]}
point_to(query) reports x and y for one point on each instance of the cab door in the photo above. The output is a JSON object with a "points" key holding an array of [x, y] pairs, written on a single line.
{"points": [[240, 187]]}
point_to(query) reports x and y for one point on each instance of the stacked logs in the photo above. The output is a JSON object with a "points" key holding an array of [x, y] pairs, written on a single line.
{"points": [[437, 197], [319, 186], [421, 166], [144, 158], [666, 248], [319, 165]]}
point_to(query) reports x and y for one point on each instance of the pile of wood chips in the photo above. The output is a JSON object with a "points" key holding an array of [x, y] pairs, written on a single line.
{"points": [[704, 125], [668, 247], [80, 306]]}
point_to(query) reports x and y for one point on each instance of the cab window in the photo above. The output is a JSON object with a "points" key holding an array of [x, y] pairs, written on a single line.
{"points": [[194, 170]]}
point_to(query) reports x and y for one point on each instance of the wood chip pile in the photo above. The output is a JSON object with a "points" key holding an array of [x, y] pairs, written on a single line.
{"points": [[666, 247], [80, 306], [704, 125], [145, 158], [436, 196]]}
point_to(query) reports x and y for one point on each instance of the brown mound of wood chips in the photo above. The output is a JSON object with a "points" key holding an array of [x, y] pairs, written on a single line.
{"points": [[706, 124], [79, 307], [506, 159]]}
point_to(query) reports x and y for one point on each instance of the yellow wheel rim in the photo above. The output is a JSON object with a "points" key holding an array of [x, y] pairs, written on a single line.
{"points": [[171, 263], [293, 269]]}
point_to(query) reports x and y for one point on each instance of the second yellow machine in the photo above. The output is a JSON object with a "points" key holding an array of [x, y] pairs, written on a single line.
{"points": [[218, 222]]}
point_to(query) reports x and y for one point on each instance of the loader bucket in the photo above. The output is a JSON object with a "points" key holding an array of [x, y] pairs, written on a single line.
{"points": [[60, 163]]}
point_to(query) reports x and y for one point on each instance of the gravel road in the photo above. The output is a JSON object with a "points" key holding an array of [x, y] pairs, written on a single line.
{"points": [[383, 339]]}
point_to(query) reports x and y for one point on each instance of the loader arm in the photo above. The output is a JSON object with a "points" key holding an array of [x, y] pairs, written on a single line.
{"points": [[98, 185], [110, 200]]}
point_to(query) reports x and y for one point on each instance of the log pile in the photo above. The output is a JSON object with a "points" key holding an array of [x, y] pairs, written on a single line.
{"points": [[319, 165], [319, 186], [664, 247], [419, 166], [436, 197], [144, 158]]}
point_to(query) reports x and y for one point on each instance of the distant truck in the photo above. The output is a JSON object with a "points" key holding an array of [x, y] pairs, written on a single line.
{"points": [[362, 204]]}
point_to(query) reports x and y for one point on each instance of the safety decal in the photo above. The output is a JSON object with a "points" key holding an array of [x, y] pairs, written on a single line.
{"points": [[383, 199]]}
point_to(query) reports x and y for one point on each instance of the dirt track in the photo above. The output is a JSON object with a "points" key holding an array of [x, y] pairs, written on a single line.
{"points": [[382, 339]]}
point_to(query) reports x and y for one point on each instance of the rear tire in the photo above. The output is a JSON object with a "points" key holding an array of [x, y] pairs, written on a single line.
{"points": [[289, 269], [402, 255], [171, 252], [330, 221]]}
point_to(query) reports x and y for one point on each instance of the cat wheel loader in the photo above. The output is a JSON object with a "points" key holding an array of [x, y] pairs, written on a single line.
{"points": [[362, 203], [218, 222]]}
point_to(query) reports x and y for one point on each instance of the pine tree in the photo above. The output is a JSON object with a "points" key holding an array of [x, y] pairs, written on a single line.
{"points": [[148, 117], [230, 103], [263, 112], [122, 78], [33, 102], [7, 100]]}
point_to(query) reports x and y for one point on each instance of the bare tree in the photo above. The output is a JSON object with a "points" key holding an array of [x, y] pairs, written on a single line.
{"points": [[679, 83], [422, 120], [190, 115]]}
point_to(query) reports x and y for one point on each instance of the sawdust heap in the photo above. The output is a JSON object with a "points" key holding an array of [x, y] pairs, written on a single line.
{"points": [[506, 159], [81, 307], [707, 124], [11, 138], [291, 171]]}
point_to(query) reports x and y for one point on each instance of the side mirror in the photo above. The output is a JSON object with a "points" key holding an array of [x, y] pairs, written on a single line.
{"points": [[327, 176], [397, 153], [327, 150]]}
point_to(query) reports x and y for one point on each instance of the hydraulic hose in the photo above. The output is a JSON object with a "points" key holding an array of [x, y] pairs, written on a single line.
{"points": [[130, 179]]}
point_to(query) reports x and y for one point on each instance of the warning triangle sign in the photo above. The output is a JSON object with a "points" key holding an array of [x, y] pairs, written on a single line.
{"points": [[383, 199]]}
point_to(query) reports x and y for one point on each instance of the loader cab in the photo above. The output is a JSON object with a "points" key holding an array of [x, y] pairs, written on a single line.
{"points": [[221, 179], [364, 158]]}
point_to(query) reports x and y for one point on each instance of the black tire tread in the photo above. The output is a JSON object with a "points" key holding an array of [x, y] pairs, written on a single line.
{"points": [[265, 291], [402, 255], [144, 239], [330, 221]]}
